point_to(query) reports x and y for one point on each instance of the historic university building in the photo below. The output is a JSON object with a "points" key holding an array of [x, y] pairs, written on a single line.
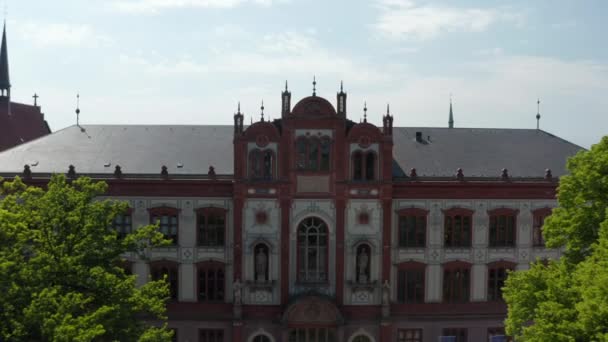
{"points": [[316, 228]]}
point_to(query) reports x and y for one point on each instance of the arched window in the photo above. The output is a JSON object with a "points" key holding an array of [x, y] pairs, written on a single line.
{"points": [[325, 150], [261, 338], [364, 166], [261, 164], [312, 250], [313, 154], [357, 166], [159, 270], [261, 258], [370, 166], [363, 263]]}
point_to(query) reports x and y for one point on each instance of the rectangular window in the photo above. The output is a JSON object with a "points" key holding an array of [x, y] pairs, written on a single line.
{"points": [[496, 280], [211, 283], [312, 335], [502, 231], [211, 335], [211, 228], [122, 225], [459, 333], [412, 231], [409, 335], [174, 336], [498, 335], [456, 283], [158, 272], [538, 239], [457, 231], [168, 226], [410, 286]]}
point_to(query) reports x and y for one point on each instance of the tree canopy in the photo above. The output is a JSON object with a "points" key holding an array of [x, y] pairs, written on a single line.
{"points": [[567, 299], [61, 268]]}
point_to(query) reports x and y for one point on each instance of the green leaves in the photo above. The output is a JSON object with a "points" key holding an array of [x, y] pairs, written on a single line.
{"points": [[567, 300], [60, 278]]}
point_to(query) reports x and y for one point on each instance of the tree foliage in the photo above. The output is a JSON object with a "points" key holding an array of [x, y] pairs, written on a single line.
{"points": [[61, 274], [567, 299]]}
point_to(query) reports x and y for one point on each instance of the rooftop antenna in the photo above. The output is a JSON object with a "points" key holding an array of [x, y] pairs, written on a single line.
{"points": [[78, 109], [35, 99], [314, 86], [538, 114]]}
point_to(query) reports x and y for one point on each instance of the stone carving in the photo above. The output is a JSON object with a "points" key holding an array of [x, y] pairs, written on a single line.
{"points": [[386, 299], [261, 265], [237, 292]]}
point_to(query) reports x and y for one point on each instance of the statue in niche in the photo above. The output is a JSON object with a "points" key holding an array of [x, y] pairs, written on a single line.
{"points": [[386, 298], [363, 265], [261, 265]]}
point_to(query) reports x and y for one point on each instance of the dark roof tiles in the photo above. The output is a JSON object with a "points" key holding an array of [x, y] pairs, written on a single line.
{"points": [[143, 149]]}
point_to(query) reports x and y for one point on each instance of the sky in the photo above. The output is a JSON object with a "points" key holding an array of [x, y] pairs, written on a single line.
{"points": [[192, 61]]}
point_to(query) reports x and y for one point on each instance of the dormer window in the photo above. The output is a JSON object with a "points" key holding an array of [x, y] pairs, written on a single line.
{"points": [[313, 153], [364, 166], [261, 164]]}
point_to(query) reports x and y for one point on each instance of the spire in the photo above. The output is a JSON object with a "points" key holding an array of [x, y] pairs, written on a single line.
{"points": [[285, 101], [538, 114], [365, 111], [238, 120], [262, 111], [5, 83], [341, 101], [451, 120], [77, 110], [314, 86]]}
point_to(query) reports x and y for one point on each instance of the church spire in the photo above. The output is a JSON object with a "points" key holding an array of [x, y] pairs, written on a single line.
{"points": [[5, 83], [451, 120]]}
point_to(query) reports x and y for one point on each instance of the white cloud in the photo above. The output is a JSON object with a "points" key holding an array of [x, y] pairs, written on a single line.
{"points": [[405, 19], [50, 34], [155, 6], [276, 54]]}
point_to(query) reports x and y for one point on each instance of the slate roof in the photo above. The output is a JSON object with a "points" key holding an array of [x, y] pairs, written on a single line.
{"points": [[143, 149], [25, 123]]}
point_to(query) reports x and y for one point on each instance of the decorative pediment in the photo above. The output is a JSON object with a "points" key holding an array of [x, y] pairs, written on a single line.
{"points": [[315, 310]]}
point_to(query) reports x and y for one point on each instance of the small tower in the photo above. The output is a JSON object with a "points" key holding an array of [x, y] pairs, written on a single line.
{"points": [[285, 101], [387, 122], [537, 114], [342, 101], [238, 121], [5, 83], [451, 120]]}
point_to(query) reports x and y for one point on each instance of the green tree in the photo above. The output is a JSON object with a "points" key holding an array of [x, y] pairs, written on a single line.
{"points": [[60, 267], [567, 299]]}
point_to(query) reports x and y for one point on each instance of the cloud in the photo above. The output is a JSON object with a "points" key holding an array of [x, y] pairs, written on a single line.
{"points": [[155, 6], [275, 54], [50, 34], [404, 19]]}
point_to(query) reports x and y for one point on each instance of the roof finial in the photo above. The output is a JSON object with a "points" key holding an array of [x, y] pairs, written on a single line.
{"points": [[286, 89], [451, 120], [238, 108], [78, 109], [388, 110], [538, 114], [314, 85], [35, 99], [262, 110], [365, 111], [341, 86]]}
